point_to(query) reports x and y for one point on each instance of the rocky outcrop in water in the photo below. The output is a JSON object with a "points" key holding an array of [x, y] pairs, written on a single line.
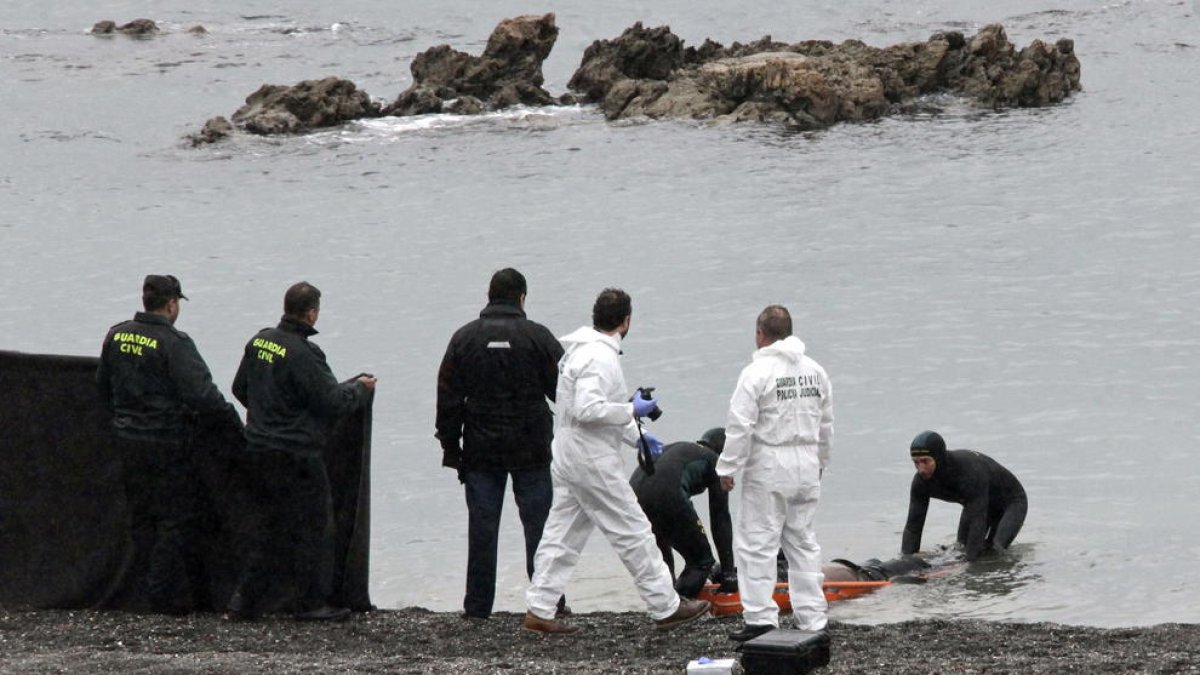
{"points": [[215, 129], [135, 28], [300, 108], [138, 28], [444, 80], [509, 72], [814, 84], [308, 105], [647, 72]]}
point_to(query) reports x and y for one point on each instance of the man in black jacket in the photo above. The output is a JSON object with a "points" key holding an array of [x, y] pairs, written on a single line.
{"points": [[682, 471], [493, 421], [153, 380], [291, 399], [993, 501]]}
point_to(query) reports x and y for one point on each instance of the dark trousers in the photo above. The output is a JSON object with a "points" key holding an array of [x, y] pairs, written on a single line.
{"points": [[161, 492], [534, 492], [677, 526], [291, 529]]}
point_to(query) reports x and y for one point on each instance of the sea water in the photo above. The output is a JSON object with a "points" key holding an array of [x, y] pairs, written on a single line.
{"points": [[1023, 281]]}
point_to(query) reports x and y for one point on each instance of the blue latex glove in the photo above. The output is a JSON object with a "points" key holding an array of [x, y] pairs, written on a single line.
{"points": [[652, 444], [642, 406]]}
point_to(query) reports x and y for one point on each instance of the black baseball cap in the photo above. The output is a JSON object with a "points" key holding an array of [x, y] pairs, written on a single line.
{"points": [[164, 285]]}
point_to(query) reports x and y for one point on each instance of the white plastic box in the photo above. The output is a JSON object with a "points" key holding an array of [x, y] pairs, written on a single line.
{"points": [[713, 667]]}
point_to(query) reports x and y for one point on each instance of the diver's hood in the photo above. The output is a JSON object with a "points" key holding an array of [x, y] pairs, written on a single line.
{"points": [[929, 444]]}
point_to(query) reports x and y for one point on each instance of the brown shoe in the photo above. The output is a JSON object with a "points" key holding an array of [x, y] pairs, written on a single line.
{"points": [[539, 625], [689, 610]]}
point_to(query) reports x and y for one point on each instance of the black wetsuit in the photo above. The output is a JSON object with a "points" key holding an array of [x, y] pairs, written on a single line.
{"points": [[682, 471], [993, 501]]}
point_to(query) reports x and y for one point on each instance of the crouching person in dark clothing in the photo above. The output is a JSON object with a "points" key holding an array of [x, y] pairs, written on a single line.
{"points": [[993, 500], [682, 471], [291, 399], [154, 382]]}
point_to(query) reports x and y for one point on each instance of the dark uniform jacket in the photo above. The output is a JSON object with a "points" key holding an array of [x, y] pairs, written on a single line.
{"points": [[290, 394], [682, 471], [493, 384], [978, 482], [153, 380]]}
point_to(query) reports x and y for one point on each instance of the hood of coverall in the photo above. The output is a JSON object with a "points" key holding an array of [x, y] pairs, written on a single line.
{"points": [[790, 347], [586, 335]]}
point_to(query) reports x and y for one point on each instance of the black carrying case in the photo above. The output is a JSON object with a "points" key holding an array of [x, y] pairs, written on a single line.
{"points": [[783, 651]]}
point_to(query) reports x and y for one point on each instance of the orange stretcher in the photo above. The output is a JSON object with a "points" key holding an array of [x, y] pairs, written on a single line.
{"points": [[731, 603]]}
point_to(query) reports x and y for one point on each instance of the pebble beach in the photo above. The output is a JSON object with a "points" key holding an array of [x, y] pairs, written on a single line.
{"points": [[415, 640]]}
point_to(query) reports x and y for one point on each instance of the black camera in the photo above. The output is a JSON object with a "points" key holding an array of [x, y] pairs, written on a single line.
{"points": [[647, 393]]}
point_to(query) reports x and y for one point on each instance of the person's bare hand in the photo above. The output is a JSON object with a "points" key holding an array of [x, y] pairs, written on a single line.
{"points": [[368, 381], [727, 483]]}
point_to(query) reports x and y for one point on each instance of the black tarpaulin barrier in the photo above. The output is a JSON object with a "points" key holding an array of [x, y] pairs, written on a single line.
{"points": [[64, 526]]}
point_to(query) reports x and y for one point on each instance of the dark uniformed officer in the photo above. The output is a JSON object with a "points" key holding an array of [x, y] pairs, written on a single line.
{"points": [[154, 382], [682, 471], [493, 421], [993, 500], [291, 399]]}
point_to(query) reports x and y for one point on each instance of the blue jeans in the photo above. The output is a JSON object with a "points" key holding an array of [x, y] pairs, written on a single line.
{"points": [[534, 491]]}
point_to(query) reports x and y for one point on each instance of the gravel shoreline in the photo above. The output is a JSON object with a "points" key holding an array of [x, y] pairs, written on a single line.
{"points": [[416, 640]]}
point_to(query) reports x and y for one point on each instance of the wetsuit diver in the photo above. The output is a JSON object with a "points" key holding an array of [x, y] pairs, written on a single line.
{"points": [[681, 472], [993, 501]]}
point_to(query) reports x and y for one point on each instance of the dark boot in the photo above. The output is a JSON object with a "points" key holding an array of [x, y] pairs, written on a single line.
{"points": [[751, 631], [241, 608]]}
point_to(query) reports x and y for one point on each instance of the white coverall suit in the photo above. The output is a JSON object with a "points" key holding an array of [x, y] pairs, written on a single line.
{"points": [[591, 486], [778, 434]]}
